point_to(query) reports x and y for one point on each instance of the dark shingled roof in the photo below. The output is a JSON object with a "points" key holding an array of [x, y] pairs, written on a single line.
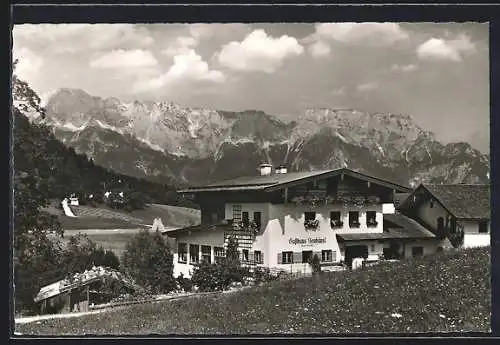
{"points": [[262, 182], [466, 201], [396, 226], [195, 228]]}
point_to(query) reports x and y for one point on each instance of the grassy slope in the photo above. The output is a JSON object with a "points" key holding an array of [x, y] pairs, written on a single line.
{"points": [[103, 217], [441, 293]]}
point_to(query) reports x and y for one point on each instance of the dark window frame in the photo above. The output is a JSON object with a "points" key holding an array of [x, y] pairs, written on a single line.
{"points": [[205, 256], [191, 253], [287, 254], [257, 256], [420, 252], [483, 225], [326, 251], [306, 218], [354, 223], [182, 255], [257, 218], [371, 221]]}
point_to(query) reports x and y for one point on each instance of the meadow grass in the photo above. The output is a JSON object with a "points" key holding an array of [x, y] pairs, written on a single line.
{"points": [[447, 292]]}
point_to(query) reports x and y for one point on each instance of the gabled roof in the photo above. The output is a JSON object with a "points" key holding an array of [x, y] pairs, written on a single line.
{"points": [[82, 279], [463, 201], [274, 182], [396, 226]]}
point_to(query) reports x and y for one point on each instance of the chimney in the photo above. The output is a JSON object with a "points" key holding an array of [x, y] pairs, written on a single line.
{"points": [[281, 169], [266, 169]]}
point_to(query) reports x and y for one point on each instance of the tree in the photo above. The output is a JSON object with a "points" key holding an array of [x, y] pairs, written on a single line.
{"points": [[37, 251], [148, 260]]}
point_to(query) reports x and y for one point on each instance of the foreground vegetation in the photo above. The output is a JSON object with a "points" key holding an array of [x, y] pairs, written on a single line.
{"points": [[447, 292]]}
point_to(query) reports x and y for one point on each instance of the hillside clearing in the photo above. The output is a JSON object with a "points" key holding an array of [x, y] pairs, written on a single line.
{"points": [[103, 217], [447, 292]]}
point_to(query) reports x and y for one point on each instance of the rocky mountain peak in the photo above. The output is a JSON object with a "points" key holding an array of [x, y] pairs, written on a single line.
{"points": [[199, 144]]}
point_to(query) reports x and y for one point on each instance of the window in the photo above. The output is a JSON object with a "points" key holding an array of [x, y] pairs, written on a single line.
{"points": [[307, 256], [372, 248], [206, 254], [326, 256], [257, 255], [194, 253], [286, 257], [310, 216], [182, 252], [354, 219], [335, 220], [483, 227], [244, 218], [371, 218], [257, 219], [244, 255], [417, 251], [218, 254], [440, 224]]}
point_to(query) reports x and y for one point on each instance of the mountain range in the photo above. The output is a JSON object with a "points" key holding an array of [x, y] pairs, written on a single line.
{"points": [[156, 140]]}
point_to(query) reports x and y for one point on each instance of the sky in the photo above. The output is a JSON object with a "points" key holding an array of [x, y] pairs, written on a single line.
{"points": [[436, 72]]}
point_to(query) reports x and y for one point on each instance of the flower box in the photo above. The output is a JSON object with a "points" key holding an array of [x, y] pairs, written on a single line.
{"points": [[372, 224], [311, 224], [354, 224]]}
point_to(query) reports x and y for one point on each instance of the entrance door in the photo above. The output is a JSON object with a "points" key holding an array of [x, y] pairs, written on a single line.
{"points": [[351, 252]]}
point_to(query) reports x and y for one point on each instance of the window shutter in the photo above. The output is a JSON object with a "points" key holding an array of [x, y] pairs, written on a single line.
{"points": [[297, 257], [261, 257], [250, 257], [334, 256], [280, 258]]}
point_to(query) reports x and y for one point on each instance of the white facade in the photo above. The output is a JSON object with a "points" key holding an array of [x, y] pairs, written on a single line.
{"points": [[472, 236], [283, 231], [430, 211], [214, 238]]}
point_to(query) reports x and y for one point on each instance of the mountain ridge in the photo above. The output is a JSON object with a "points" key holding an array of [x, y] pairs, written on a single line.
{"points": [[198, 144]]}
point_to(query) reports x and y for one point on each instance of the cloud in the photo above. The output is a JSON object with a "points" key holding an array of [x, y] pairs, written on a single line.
{"points": [[125, 58], [186, 67], [61, 38], [189, 39], [404, 68], [259, 52], [373, 34], [29, 63], [339, 91], [319, 49], [441, 49], [367, 86]]}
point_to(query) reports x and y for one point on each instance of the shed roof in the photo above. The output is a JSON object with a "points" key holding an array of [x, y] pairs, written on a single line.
{"points": [[396, 226]]}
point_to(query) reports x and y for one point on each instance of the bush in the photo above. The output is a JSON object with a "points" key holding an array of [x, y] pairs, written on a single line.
{"points": [[216, 277], [263, 275], [82, 253], [184, 283], [148, 260]]}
